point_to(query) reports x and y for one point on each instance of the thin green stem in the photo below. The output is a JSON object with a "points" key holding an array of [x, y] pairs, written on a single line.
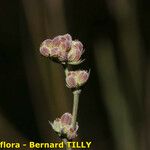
{"points": [[65, 141], [76, 95]]}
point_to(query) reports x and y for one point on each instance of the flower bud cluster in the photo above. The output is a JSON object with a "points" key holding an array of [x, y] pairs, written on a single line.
{"points": [[66, 51], [64, 128], [75, 79], [63, 49]]}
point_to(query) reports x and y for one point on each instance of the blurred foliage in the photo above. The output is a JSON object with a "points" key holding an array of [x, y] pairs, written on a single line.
{"points": [[114, 107]]}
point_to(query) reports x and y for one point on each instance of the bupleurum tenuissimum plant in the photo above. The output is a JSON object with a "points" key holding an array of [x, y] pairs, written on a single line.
{"points": [[62, 49]]}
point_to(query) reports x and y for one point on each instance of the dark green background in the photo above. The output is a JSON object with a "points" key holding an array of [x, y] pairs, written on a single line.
{"points": [[114, 105]]}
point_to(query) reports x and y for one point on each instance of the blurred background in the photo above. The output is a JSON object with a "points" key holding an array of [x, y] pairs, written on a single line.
{"points": [[114, 105]]}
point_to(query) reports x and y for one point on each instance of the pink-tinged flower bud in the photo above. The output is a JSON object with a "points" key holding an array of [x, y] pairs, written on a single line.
{"points": [[71, 81], [44, 51], [62, 55], [77, 45], [45, 48], [75, 79], [48, 43], [75, 52], [54, 52], [63, 49], [57, 48], [56, 41], [72, 133], [82, 77], [66, 119], [63, 126], [63, 42]]}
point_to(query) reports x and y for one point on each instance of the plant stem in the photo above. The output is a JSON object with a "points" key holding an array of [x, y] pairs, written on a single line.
{"points": [[65, 141], [76, 94]]}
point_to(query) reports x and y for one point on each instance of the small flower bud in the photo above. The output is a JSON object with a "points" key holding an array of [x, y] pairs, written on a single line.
{"points": [[45, 48], [44, 51], [63, 43], [62, 56], [66, 119], [64, 128], [82, 77], [54, 52], [75, 52], [77, 45], [56, 125], [75, 79], [57, 47]]}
